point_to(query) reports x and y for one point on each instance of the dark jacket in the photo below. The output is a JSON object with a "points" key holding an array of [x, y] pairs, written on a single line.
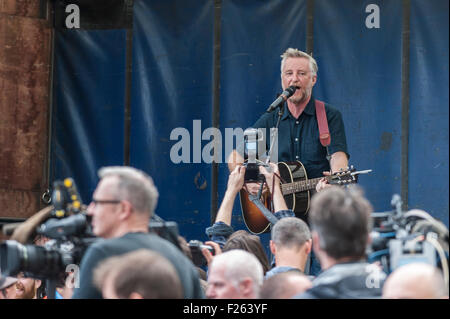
{"points": [[357, 280], [105, 248]]}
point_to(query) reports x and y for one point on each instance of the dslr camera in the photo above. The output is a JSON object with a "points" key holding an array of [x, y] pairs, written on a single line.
{"points": [[196, 247], [70, 234], [253, 139]]}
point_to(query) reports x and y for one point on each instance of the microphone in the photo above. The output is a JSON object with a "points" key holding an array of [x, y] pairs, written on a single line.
{"points": [[283, 97]]}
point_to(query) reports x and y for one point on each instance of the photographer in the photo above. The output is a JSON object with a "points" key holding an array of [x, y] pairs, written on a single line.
{"points": [[7, 287], [121, 207], [19, 287], [221, 230]]}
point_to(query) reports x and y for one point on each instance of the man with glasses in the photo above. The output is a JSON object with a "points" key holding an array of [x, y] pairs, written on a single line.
{"points": [[121, 207]]}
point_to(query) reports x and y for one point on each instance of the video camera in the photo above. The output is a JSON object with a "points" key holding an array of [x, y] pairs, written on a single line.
{"points": [[68, 228], [252, 139], [400, 237]]}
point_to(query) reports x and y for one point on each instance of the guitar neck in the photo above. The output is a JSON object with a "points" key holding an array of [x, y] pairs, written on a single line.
{"points": [[301, 186]]}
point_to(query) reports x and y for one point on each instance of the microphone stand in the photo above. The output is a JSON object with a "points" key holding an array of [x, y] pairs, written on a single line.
{"points": [[272, 141], [280, 114]]}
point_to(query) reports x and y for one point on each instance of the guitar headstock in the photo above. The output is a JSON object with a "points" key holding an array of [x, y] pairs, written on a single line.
{"points": [[344, 177]]}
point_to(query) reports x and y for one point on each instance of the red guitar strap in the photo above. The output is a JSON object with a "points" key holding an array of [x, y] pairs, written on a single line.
{"points": [[324, 132]]}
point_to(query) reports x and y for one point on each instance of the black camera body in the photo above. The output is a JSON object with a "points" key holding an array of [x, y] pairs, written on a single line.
{"points": [[252, 140], [164, 229], [252, 174], [196, 247], [43, 262], [70, 234]]}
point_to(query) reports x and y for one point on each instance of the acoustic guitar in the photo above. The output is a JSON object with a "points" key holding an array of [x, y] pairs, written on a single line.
{"points": [[296, 189]]}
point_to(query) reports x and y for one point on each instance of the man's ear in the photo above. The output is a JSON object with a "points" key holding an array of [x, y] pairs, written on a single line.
{"points": [[315, 241], [273, 248], [246, 288], [308, 246], [126, 209], [314, 80]]}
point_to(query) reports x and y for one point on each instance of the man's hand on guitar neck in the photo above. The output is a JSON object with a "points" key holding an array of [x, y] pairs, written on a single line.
{"points": [[338, 162], [323, 183]]}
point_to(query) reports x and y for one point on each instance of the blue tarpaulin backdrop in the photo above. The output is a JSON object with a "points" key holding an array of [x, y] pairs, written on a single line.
{"points": [[360, 73]]}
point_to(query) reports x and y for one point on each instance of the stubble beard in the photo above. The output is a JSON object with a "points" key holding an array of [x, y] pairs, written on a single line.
{"points": [[306, 93]]}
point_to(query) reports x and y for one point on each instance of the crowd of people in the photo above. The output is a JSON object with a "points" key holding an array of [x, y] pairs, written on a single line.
{"points": [[321, 256], [132, 263]]}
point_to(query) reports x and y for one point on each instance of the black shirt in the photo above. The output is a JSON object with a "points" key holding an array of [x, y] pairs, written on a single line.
{"points": [[105, 248], [298, 139]]}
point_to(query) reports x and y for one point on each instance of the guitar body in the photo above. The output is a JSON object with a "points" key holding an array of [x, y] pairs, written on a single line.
{"points": [[296, 189], [299, 202], [293, 172], [253, 218]]}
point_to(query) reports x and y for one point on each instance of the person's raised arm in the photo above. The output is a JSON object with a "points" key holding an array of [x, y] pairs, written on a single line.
{"points": [[273, 182], [235, 159], [235, 183]]}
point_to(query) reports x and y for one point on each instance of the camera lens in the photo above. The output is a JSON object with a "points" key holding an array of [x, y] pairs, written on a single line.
{"points": [[15, 258]]}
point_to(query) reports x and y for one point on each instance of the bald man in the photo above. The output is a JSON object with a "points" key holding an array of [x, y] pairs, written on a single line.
{"points": [[415, 281], [285, 285]]}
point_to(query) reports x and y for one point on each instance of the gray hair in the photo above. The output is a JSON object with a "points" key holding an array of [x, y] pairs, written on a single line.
{"points": [[295, 53], [134, 185], [342, 219], [240, 264], [290, 232]]}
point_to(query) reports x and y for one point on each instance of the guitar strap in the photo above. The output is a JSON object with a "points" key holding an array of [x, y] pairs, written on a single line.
{"points": [[267, 213], [324, 132]]}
